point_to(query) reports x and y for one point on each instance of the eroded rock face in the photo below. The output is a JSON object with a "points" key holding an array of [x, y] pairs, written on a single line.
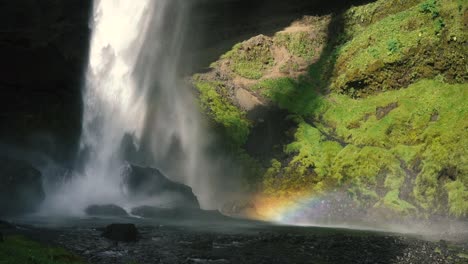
{"points": [[43, 51], [21, 190], [150, 183], [106, 210]]}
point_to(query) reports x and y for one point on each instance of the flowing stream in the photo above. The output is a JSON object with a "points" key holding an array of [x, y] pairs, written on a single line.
{"points": [[136, 105]]}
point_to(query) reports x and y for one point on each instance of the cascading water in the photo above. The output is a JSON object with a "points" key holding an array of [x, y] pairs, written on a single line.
{"points": [[134, 90]]}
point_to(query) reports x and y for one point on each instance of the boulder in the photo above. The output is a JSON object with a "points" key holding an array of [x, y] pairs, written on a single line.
{"points": [[241, 209], [147, 183], [105, 210], [21, 190], [121, 232]]}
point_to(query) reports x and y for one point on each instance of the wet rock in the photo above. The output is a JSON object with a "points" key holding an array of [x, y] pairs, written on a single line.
{"points": [[21, 190], [121, 232], [240, 208], [106, 210], [177, 213], [141, 182]]}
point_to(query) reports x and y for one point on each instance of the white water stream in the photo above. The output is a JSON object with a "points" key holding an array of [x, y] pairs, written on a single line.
{"points": [[134, 88]]}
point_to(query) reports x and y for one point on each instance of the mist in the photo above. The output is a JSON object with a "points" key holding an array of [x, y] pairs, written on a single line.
{"points": [[138, 108]]}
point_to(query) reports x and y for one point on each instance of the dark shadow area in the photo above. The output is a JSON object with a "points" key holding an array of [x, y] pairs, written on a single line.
{"points": [[218, 25], [301, 97], [43, 51]]}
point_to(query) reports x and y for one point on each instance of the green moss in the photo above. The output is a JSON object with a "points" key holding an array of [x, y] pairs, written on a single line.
{"points": [[393, 202], [390, 150], [213, 100], [430, 7], [296, 96], [358, 18], [299, 44], [406, 153], [399, 40], [458, 197], [424, 121], [313, 151], [19, 250], [252, 58]]}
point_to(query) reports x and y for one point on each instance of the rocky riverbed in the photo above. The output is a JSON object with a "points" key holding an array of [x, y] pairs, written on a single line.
{"points": [[236, 241]]}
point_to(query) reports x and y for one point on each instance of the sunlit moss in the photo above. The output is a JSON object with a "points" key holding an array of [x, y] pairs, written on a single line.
{"points": [[458, 197], [401, 149], [398, 40], [299, 44], [252, 58], [393, 202], [425, 122], [222, 111]]}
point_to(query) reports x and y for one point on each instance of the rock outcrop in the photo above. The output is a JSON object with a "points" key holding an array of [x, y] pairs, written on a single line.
{"points": [[151, 183], [372, 102], [21, 190]]}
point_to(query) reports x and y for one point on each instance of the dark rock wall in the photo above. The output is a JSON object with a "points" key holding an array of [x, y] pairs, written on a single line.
{"points": [[43, 52]]}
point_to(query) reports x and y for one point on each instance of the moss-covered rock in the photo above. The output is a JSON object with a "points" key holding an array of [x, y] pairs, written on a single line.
{"points": [[380, 112], [421, 41]]}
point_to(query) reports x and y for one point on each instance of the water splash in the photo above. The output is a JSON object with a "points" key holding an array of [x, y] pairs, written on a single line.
{"points": [[134, 89]]}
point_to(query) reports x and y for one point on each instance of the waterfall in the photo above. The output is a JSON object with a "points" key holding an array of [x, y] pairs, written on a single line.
{"points": [[134, 90]]}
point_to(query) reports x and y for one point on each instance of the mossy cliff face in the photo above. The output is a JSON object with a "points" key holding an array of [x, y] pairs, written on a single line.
{"points": [[377, 98]]}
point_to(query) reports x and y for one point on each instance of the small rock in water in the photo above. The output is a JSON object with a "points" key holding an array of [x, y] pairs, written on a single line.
{"points": [[106, 210], [121, 232]]}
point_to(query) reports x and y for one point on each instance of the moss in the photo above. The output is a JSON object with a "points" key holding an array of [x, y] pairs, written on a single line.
{"points": [[296, 96], [222, 111], [379, 114], [17, 249], [393, 202], [406, 132], [358, 18], [458, 197], [313, 151], [392, 52], [406, 153], [252, 58], [299, 44]]}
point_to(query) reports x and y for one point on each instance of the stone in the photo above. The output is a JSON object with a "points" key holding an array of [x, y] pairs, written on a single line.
{"points": [[121, 232], [105, 210], [241, 209], [143, 183], [1, 237], [21, 190]]}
